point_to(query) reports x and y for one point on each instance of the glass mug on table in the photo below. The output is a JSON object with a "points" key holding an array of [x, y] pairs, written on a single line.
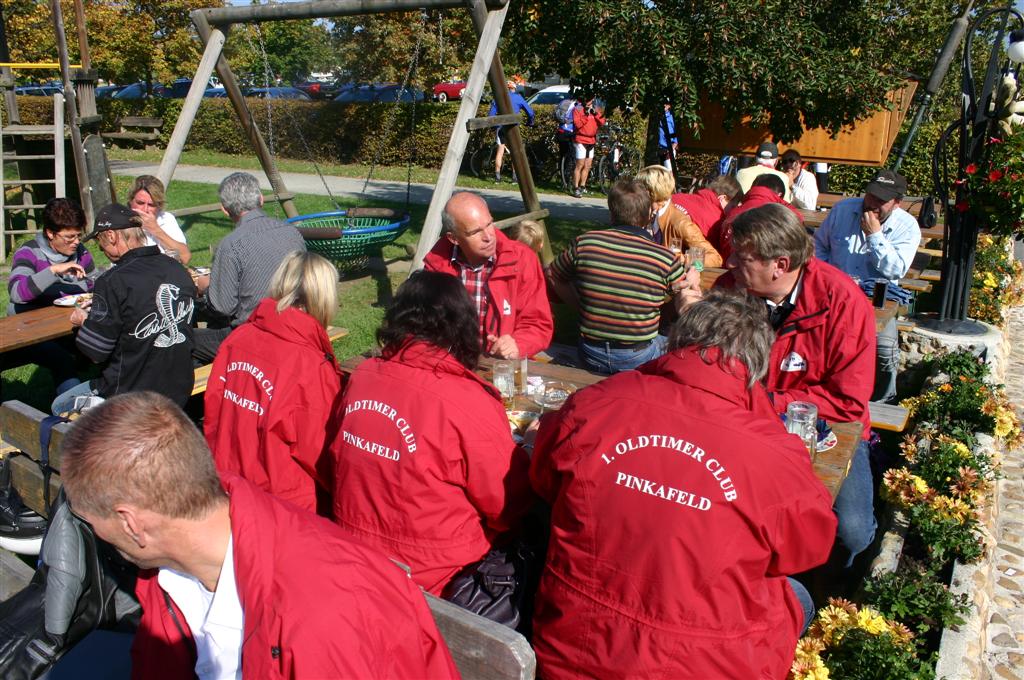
{"points": [[503, 376], [802, 420], [695, 258]]}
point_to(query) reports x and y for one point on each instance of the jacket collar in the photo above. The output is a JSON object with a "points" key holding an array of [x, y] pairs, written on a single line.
{"points": [[143, 251], [292, 325], [687, 368], [425, 356], [812, 301]]}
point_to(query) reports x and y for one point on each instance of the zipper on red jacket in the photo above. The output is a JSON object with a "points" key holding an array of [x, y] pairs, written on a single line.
{"points": [[177, 624]]}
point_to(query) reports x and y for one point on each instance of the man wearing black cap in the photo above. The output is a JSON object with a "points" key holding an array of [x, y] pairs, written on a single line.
{"points": [[139, 325], [873, 238], [767, 157]]}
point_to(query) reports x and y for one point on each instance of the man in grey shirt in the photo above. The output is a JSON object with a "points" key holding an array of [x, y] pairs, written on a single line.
{"points": [[244, 263]]}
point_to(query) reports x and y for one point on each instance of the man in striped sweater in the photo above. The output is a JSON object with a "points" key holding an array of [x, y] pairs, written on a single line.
{"points": [[619, 278]]}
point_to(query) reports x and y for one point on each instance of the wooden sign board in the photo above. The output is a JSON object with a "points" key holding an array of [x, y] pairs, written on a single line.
{"points": [[867, 142]]}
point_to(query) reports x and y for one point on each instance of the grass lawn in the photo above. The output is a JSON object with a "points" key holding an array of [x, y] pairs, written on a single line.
{"points": [[363, 297], [393, 173]]}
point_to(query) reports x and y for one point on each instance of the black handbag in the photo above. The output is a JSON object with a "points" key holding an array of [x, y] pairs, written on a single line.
{"points": [[80, 585], [496, 587]]}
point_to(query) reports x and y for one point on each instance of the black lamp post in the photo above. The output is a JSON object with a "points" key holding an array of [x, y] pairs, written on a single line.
{"points": [[975, 126]]}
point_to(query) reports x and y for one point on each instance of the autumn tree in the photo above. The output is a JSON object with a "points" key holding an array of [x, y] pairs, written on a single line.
{"points": [[289, 50], [785, 64], [129, 40]]}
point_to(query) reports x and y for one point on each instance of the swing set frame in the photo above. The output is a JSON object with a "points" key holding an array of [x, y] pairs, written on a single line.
{"points": [[214, 24]]}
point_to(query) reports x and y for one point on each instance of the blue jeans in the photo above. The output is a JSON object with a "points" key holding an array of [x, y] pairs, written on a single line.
{"points": [[65, 401], [887, 363], [806, 603], [855, 506], [601, 357]]}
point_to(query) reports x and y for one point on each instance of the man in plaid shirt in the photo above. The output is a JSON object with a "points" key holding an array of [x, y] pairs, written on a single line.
{"points": [[503, 277]]}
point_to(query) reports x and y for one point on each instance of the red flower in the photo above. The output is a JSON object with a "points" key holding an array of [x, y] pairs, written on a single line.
{"points": [[963, 206], [995, 176], [971, 168]]}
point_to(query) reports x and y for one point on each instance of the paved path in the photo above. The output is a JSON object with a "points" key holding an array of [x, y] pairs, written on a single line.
{"points": [[500, 201], [1003, 639]]}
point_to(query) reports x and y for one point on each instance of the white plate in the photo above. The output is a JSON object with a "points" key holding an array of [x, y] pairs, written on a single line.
{"points": [[201, 271], [69, 300]]}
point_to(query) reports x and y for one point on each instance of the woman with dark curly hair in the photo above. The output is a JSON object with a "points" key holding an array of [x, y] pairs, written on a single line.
{"points": [[425, 467]]}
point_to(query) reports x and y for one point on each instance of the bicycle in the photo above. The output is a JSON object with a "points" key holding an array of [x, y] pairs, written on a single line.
{"points": [[618, 158], [481, 163]]}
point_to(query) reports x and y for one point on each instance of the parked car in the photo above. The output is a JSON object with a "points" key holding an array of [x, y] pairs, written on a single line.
{"points": [[108, 91], [320, 89], [277, 93], [216, 93], [138, 91], [449, 90], [38, 90], [379, 92], [550, 95]]}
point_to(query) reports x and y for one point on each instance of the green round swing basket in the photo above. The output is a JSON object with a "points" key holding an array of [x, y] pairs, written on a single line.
{"points": [[350, 237]]}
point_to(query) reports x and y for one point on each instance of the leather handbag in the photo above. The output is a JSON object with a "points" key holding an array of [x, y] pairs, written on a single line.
{"points": [[495, 587]]}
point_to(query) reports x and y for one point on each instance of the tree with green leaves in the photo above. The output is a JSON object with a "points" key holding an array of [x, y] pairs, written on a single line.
{"points": [[787, 65], [291, 50]]}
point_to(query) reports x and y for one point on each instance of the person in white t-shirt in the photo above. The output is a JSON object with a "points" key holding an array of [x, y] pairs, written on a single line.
{"points": [[147, 198], [802, 183]]}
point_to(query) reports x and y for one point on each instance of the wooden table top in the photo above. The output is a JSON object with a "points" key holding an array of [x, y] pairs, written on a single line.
{"points": [[34, 326], [831, 467]]}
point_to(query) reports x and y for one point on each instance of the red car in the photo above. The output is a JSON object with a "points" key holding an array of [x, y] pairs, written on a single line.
{"points": [[450, 90]]}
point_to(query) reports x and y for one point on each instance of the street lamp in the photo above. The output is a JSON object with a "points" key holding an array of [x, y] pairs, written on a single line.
{"points": [[976, 127]]}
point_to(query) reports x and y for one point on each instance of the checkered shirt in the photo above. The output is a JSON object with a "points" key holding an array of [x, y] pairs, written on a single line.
{"points": [[475, 281]]}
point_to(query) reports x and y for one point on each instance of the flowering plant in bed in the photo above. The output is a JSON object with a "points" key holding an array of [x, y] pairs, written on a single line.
{"points": [[998, 280], [997, 186], [855, 643]]}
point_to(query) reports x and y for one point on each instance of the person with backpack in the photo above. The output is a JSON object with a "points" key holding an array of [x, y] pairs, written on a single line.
{"points": [[586, 120]]}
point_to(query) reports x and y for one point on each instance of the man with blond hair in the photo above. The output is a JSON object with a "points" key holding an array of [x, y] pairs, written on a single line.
{"points": [[234, 582]]}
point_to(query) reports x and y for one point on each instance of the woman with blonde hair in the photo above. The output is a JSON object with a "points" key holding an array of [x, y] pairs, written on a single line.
{"points": [[147, 198], [274, 386], [670, 223]]}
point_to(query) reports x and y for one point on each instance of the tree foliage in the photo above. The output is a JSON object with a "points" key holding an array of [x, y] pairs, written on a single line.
{"points": [[129, 40], [291, 50], [786, 65]]}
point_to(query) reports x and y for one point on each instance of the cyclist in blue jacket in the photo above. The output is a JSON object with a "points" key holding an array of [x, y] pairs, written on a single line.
{"points": [[518, 104]]}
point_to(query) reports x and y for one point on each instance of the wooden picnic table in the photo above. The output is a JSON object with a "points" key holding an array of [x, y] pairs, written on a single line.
{"points": [[34, 326], [831, 467]]}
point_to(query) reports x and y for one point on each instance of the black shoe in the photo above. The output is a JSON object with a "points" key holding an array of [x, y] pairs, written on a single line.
{"points": [[21, 529], [497, 179]]}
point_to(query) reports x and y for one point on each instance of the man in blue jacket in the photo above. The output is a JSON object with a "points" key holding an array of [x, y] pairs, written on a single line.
{"points": [[518, 104]]}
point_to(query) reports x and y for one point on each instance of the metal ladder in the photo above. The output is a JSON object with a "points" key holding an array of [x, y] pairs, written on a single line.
{"points": [[55, 132]]}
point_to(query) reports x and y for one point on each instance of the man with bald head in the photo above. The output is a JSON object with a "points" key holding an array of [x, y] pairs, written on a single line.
{"points": [[504, 278]]}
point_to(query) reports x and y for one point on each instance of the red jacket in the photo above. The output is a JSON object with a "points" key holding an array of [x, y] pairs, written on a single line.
{"points": [[317, 604], [755, 198], [679, 505], [426, 469], [825, 352], [586, 125], [271, 400], [518, 301], [703, 208]]}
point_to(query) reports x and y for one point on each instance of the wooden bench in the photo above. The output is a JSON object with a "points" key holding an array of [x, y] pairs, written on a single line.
{"points": [[891, 417], [931, 275], [202, 374], [214, 207], [479, 647], [146, 130]]}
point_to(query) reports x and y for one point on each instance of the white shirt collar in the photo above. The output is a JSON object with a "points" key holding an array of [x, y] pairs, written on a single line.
{"points": [[215, 619]]}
